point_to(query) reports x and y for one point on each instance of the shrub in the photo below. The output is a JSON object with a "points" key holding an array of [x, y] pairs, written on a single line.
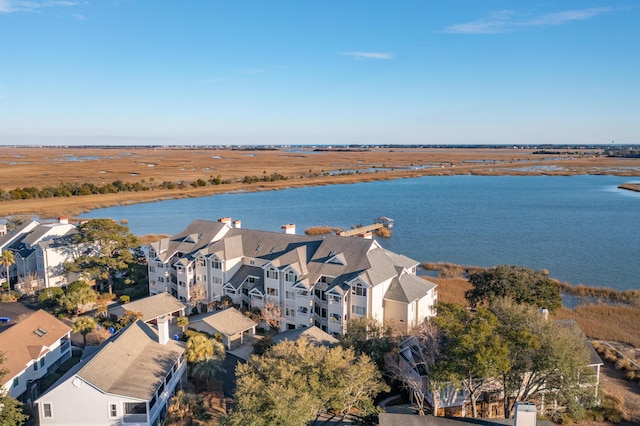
{"points": [[125, 299]]}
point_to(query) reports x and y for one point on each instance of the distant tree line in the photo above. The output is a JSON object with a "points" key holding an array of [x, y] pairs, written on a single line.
{"points": [[623, 152], [66, 189]]}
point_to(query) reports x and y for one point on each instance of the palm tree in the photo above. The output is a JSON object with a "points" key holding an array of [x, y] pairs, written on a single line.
{"points": [[84, 325], [7, 259], [207, 369], [183, 322]]}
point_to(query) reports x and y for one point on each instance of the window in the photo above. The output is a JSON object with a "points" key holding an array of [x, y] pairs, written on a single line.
{"points": [[272, 274], [35, 366], [359, 290], [335, 299], [336, 317], [217, 280], [303, 293], [113, 410], [289, 295], [230, 291], [358, 310], [303, 310], [252, 262], [272, 291], [290, 312], [215, 264], [320, 294], [251, 279], [135, 408], [200, 262], [42, 362], [16, 382], [323, 313], [46, 411], [290, 277], [152, 269]]}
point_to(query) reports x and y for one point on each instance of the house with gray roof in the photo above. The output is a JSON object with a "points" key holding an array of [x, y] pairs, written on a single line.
{"points": [[313, 334], [230, 323], [37, 265], [311, 280], [151, 308], [129, 380]]}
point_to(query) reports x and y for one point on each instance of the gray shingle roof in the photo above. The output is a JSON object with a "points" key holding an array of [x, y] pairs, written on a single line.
{"points": [[151, 307], [407, 288], [228, 322], [313, 334], [132, 363]]}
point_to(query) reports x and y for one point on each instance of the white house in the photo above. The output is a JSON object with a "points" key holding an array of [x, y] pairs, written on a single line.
{"points": [[321, 281], [33, 348], [128, 381], [40, 252]]}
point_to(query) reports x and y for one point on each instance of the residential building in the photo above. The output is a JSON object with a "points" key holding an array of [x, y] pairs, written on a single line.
{"points": [[32, 349], [450, 399], [128, 381], [312, 280], [40, 252]]}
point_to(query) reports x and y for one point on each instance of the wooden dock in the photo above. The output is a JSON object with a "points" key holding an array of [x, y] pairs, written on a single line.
{"points": [[361, 230]]}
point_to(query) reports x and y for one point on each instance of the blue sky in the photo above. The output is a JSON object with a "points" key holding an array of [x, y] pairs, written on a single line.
{"points": [[319, 72]]}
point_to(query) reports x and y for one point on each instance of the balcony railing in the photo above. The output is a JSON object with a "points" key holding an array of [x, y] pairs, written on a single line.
{"points": [[135, 418]]}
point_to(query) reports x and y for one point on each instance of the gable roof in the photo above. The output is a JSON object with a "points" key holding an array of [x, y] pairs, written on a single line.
{"points": [[313, 334], [407, 287], [228, 322], [21, 345], [131, 363], [151, 307]]}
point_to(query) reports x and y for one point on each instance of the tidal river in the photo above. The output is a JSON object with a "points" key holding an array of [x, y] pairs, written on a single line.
{"points": [[582, 229]]}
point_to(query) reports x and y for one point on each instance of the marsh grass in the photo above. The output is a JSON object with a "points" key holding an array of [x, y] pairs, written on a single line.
{"points": [[606, 321], [383, 232], [321, 230], [451, 290]]}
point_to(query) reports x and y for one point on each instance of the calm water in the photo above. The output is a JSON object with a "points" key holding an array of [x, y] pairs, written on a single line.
{"points": [[583, 229]]}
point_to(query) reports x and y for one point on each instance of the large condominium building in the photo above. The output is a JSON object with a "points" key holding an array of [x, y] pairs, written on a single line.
{"points": [[321, 281]]}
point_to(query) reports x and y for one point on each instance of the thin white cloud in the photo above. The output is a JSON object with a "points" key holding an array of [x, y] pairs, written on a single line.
{"points": [[78, 16], [12, 6], [506, 21], [253, 71], [369, 55]]}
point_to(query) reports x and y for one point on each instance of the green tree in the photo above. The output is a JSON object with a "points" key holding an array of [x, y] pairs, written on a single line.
{"points": [[7, 259], [295, 382], [518, 283], [186, 409], [11, 413], [84, 325], [183, 322], [199, 348], [78, 294], [371, 337], [473, 353], [207, 369], [112, 248], [545, 357], [50, 297]]}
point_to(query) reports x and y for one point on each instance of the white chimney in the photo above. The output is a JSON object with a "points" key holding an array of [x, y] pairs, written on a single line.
{"points": [[525, 414], [289, 228], [3, 230], [225, 220], [237, 224], [63, 220], [163, 329], [367, 235]]}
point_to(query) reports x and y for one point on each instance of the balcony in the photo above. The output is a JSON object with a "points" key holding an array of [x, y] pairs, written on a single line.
{"points": [[135, 418]]}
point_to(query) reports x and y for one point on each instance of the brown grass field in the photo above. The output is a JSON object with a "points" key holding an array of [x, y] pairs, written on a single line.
{"points": [[38, 167]]}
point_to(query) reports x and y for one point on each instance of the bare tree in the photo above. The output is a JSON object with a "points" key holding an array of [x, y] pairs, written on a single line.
{"points": [[272, 315]]}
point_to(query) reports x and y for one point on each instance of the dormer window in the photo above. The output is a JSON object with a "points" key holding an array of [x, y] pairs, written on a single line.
{"points": [[272, 274], [359, 290], [216, 264], [290, 277]]}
